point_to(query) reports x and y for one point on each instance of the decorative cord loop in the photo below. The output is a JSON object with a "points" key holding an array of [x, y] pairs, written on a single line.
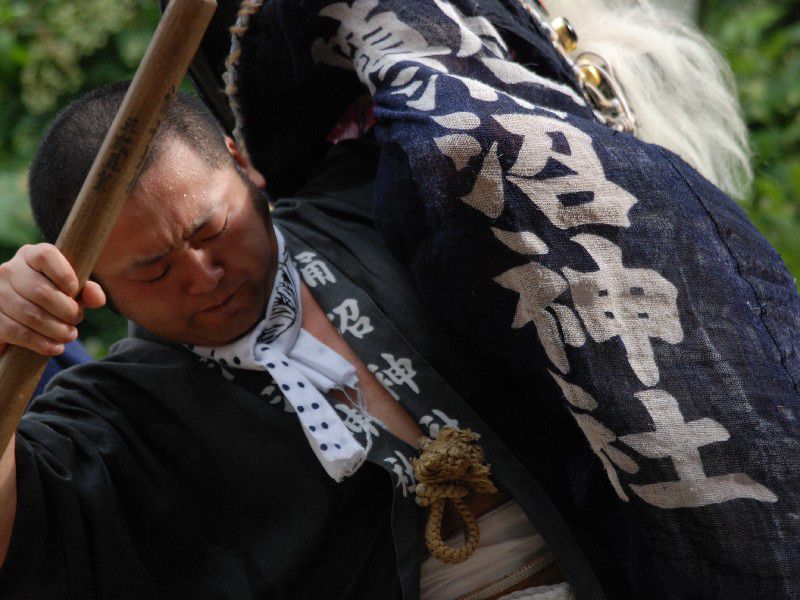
{"points": [[246, 10], [447, 468]]}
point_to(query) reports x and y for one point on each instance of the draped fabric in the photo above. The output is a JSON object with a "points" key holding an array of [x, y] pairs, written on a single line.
{"points": [[601, 270], [74, 354], [157, 473]]}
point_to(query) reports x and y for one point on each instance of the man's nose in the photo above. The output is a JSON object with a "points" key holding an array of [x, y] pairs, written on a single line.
{"points": [[204, 273]]}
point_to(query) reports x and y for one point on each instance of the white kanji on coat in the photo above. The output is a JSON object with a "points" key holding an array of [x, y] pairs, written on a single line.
{"points": [[598, 435], [634, 304], [400, 371], [538, 287], [387, 383], [568, 152], [403, 471], [477, 33], [350, 319], [435, 421], [680, 441], [357, 421], [371, 41], [487, 194], [314, 270]]}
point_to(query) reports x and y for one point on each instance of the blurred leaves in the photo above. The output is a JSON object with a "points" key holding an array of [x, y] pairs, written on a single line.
{"points": [[52, 51], [761, 41]]}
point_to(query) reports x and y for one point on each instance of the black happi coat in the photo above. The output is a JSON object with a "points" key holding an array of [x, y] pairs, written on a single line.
{"points": [[154, 474]]}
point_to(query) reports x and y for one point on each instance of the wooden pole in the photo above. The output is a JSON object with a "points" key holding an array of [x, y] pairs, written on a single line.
{"points": [[111, 177]]}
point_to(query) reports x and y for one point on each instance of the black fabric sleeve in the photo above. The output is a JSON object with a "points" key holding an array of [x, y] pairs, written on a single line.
{"points": [[76, 456]]}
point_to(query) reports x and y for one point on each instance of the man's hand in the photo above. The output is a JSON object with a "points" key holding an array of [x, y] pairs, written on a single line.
{"points": [[37, 305]]}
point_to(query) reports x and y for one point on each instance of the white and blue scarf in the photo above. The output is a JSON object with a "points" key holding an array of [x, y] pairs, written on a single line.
{"points": [[304, 368]]}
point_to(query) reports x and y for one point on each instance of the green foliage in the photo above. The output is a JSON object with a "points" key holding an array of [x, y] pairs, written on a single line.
{"points": [[761, 40], [52, 51]]}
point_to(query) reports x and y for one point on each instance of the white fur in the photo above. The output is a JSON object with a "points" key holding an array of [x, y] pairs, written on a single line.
{"points": [[680, 89]]}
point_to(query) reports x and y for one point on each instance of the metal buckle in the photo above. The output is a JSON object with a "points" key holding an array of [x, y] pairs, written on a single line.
{"points": [[601, 88], [595, 76]]}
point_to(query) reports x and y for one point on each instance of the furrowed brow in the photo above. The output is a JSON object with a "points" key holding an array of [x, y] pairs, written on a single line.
{"points": [[151, 260]]}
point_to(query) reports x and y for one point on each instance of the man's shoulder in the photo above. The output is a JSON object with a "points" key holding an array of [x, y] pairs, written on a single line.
{"points": [[133, 353], [146, 366]]}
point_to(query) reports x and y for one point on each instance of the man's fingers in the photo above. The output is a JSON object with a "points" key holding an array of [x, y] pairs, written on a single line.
{"points": [[37, 310], [92, 295], [39, 290], [48, 260], [19, 335], [39, 320]]}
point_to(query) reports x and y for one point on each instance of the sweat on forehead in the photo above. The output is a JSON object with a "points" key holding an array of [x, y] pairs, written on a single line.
{"points": [[67, 149]]}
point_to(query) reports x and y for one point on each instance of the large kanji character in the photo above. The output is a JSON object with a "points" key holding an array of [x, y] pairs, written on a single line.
{"points": [[538, 287], [314, 271], [371, 41], [550, 144], [403, 471], [598, 435], [634, 304], [680, 441]]}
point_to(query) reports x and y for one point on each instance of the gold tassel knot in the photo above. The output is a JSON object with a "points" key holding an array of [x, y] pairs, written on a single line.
{"points": [[448, 468]]}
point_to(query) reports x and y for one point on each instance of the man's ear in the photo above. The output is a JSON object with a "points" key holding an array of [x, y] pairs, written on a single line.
{"points": [[252, 173]]}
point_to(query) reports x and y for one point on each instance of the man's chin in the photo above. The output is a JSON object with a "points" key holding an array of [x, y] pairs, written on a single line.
{"points": [[225, 324]]}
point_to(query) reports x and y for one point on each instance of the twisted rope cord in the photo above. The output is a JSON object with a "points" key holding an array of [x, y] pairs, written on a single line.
{"points": [[447, 468], [246, 9]]}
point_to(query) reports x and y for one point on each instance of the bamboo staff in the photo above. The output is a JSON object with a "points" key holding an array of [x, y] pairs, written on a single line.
{"points": [[111, 177]]}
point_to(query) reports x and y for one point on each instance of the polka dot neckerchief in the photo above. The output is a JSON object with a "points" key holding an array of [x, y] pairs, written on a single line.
{"points": [[302, 367]]}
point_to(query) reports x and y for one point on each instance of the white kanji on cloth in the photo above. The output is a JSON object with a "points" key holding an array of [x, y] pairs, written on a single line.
{"points": [[634, 304], [371, 41], [458, 147], [487, 194], [435, 421], [538, 287], [598, 435], [568, 153], [403, 471], [314, 270], [476, 33], [350, 319], [400, 371], [680, 441], [358, 422]]}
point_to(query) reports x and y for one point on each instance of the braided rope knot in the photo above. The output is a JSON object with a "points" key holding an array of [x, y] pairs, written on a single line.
{"points": [[448, 468]]}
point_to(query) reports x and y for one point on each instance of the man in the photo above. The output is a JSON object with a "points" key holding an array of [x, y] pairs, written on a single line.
{"points": [[161, 473], [664, 434]]}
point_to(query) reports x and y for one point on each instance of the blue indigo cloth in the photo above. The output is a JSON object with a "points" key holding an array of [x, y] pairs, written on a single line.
{"points": [[606, 274]]}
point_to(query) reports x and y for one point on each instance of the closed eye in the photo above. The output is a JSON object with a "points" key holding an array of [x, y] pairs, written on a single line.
{"points": [[219, 233], [159, 278]]}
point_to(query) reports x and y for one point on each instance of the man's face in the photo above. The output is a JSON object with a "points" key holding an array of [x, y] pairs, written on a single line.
{"points": [[192, 257]]}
